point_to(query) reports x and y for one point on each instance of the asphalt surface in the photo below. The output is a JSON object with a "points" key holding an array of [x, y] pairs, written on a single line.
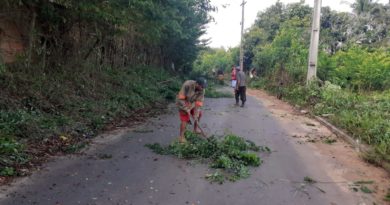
{"points": [[118, 169]]}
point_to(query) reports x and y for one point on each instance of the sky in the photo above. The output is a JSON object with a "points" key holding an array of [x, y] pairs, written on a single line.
{"points": [[225, 30]]}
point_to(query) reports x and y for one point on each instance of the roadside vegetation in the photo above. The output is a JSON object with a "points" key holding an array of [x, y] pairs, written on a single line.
{"points": [[353, 84], [58, 112], [217, 91], [85, 66], [213, 93]]}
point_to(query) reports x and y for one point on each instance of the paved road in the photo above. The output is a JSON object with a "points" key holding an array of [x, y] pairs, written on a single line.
{"points": [[134, 175]]}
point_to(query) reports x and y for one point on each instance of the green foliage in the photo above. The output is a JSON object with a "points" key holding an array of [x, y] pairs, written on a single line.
{"points": [[54, 107], [366, 190], [17, 122], [309, 180], [363, 186], [113, 32], [278, 39], [213, 93], [214, 59], [77, 103], [258, 83], [231, 155], [9, 146], [277, 46], [224, 162], [216, 177], [11, 154], [364, 116], [284, 60], [358, 69], [7, 171]]}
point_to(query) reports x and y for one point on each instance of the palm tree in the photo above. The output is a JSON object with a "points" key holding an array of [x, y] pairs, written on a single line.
{"points": [[362, 6]]}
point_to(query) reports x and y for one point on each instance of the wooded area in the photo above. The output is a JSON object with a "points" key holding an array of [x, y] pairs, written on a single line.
{"points": [[69, 69], [115, 33]]}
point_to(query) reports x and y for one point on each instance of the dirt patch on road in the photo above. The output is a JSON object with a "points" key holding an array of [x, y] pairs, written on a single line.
{"points": [[345, 163]]}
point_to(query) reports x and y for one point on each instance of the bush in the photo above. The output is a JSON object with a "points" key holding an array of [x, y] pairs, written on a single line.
{"points": [[258, 83], [358, 69]]}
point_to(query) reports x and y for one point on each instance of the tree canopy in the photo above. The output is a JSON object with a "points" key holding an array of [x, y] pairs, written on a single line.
{"points": [[114, 32]]}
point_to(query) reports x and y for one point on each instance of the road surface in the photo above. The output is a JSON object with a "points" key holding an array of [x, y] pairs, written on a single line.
{"points": [[117, 169]]}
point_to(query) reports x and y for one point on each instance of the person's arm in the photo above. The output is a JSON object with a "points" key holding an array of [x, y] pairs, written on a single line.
{"points": [[182, 102], [198, 104]]}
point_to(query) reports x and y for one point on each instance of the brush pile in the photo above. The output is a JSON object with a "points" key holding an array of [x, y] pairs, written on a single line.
{"points": [[230, 155]]}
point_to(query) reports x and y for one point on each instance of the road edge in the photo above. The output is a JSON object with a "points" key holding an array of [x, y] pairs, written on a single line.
{"points": [[339, 133]]}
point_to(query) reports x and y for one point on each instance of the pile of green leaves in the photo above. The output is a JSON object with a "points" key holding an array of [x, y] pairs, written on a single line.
{"points": [[231, 155]]}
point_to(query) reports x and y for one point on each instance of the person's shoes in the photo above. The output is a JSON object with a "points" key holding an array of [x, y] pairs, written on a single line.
{"points": [[242, 105], [197, 132], [182, 140], [236, 104]]}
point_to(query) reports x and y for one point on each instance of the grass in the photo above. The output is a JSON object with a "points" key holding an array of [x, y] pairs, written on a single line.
{"points": [[365, 116], [231, 156], [41, 105]]}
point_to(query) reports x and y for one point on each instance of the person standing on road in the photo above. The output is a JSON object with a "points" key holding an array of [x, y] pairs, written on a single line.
{"points": [[234, 78], [189, 100], [241, 87]]}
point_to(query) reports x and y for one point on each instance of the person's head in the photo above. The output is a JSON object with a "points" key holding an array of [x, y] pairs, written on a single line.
{"points": [[238, 68], [201, 83]]}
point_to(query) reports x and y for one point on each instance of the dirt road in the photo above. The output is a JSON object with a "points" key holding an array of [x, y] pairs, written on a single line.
{"points": [[118, 169]]}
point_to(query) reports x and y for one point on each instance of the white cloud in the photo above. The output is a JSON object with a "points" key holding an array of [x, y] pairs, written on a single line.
{"points": [[225, 31]]}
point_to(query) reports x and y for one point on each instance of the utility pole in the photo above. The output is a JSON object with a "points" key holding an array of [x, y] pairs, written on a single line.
{"points": [[242, 37], [315, 36]]}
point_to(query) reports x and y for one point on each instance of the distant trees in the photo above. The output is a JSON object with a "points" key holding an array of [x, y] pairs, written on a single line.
{"points": [[354, 46], [216, 59]]}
